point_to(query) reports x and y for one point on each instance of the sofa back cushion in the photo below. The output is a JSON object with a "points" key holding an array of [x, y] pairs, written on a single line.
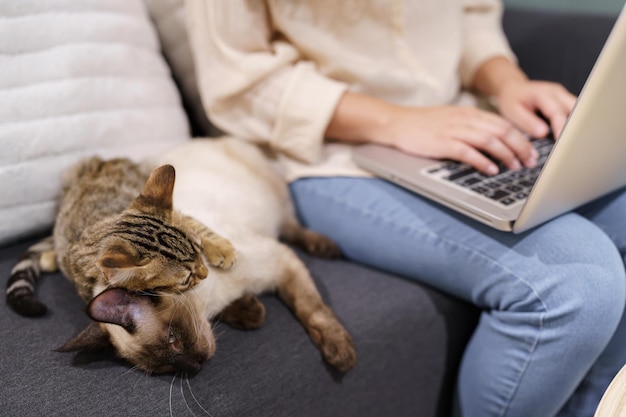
{"points": [[170, 21], [77, 78]]}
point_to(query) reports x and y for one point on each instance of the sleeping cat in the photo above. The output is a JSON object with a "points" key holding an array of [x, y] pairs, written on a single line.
{"points": [[116, 228], [229, 186]]}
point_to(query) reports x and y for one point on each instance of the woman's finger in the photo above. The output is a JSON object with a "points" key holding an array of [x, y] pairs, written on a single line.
{"points": [[461, 151], [527, 120], [511, 138], [553, 110]]}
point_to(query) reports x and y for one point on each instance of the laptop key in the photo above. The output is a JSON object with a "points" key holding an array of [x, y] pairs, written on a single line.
{"points": [[460, 174], [508, 201], [497, 194], [480, 190]]}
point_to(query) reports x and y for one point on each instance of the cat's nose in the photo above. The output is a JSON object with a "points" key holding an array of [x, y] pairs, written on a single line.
{"points": [[192, 363]]}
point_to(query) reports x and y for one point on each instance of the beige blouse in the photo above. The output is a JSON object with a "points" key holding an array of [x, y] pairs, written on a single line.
{"points": [[273, 71]]}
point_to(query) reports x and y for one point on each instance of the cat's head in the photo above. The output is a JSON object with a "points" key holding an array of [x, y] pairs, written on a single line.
{"points": [[156, 333], [144, 249]]}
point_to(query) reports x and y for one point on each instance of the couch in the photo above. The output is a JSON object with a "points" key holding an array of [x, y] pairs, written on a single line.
{"points": [[409, 338]]}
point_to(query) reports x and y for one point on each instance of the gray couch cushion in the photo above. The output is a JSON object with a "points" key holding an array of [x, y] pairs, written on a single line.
{"points": [[408, 338]]}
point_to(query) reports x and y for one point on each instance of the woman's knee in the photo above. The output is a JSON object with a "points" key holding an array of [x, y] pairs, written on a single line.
{"points": [[588, 294], [598, 304], [571, 277]]}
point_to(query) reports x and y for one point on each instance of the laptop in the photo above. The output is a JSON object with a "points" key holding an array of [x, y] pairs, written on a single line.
{"points": [[587, 161]]}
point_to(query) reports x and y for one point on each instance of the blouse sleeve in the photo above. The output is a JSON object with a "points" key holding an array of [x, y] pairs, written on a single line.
{"points": [[255, 84], [483, 36]]}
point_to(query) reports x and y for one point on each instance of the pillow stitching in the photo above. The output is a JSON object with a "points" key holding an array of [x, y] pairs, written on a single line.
{"points": [[152, 49], [161, 76]]}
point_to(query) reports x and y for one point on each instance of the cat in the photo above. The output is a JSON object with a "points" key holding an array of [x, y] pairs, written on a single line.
{"points": [[116, 227], [229, 186]]}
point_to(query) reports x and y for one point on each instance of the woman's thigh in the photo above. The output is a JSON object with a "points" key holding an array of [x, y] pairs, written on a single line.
{"points": [[382, 225]]}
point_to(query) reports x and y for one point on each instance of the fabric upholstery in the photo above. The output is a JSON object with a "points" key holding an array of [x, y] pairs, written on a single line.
{"points": [[170, 23], [557, 46], [408, 339]]}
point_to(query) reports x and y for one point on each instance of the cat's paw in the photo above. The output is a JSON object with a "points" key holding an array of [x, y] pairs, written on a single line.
{"points": [[312, 242], [339, 353], [319, 245], [221, 255], [245, 313], [334, 343]]}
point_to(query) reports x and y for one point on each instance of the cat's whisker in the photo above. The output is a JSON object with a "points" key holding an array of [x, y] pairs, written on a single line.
{"points": [[143, 376], [219, 333], [199, 315], [171, 389], [128, 371], [179, 301], [182, 393], [195, 319], [195, 399]]}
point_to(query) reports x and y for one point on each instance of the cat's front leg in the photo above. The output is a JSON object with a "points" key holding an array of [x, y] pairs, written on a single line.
{"points": [[219, 252], [297, 289]]}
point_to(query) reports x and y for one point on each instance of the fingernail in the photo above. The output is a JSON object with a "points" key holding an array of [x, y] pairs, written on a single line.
{"points": [[534, 153], [492, 169], [515, 165], [532, 158], [540, 131]]}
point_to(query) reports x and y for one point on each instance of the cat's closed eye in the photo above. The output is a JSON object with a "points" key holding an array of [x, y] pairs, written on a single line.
{"points": [[186, 281]]}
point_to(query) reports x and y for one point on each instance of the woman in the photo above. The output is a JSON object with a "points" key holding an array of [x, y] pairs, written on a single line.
{"points": [[311, 78]]}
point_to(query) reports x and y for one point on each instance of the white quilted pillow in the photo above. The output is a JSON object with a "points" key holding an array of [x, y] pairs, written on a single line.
{"points": [[77, 77]]}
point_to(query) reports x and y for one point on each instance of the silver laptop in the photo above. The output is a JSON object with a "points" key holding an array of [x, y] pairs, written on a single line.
{"points": [[587, 160]]}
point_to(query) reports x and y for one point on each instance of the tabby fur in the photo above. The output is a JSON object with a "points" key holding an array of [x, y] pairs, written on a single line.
{"points": [[116, 227]]}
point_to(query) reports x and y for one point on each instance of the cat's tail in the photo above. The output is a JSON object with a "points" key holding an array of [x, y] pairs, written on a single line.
{"points": [[20, 293]]}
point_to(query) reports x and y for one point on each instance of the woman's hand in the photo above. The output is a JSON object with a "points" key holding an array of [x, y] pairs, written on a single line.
{"points": [[519, 101], [463, 134]]}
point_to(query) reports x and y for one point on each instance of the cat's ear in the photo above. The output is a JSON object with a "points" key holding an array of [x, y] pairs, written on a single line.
{"points": [[92, 339], [119, 306], [158, 190], [117, 264]]}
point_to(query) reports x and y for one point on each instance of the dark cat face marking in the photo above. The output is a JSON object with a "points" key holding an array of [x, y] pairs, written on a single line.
{"points": [[156, 333]]}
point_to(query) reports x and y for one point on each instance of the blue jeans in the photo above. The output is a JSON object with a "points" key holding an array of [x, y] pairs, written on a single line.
{"points": [[551, 298]]}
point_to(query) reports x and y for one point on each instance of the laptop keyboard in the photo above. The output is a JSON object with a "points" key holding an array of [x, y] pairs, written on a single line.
{"points": [[507, 187]]}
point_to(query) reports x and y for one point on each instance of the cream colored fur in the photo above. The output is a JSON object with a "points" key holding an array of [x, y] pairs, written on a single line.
{"points": [[231, 187]]}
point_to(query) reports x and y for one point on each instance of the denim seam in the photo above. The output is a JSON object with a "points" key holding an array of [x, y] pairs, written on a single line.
{"points": [[389, 220]]}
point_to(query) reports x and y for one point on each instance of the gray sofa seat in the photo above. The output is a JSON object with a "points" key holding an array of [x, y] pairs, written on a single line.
{"points": [[409, 340]]}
